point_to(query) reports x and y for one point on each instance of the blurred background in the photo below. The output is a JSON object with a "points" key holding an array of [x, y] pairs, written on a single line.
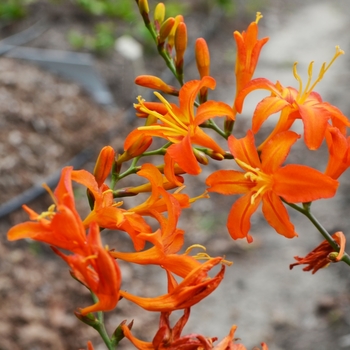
{"points": [[66, 89]]}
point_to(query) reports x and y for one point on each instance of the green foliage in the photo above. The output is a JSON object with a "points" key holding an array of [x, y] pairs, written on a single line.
{"points": [[124, 9], [13, 9], [101, 42]]}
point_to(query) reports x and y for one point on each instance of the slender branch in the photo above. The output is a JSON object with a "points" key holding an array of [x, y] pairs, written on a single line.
{"points": [[305, 210]]}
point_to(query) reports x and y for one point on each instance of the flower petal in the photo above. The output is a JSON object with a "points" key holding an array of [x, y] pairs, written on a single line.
{"points": [[238, 222], [274, 152], [300, 184], [244, 149], [228, 182], [268, 106], [276, 215]]}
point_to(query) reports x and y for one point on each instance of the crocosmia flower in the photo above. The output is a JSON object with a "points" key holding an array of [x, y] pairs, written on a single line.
{"points": [[265, 180], [248, 52], [181, 125], [98, 271], [61, 225], [322, 255], [304, 104]]}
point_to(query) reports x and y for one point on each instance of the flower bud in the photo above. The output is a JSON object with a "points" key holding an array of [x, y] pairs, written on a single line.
{"points": [[180, 44], [156, 83], [159, 15], [165, 30], [88, 319], [118, 334], [200, 156], [171, 36], [144, 10], [135, 144], [202, 57], [104, 164]]}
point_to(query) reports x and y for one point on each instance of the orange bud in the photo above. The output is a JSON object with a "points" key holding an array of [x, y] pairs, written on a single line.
{"points": [[159, 15], [135, 144], [171, 36], [156, 83], [180, 42], [153, 106], [104, 164], [165, 30], [202, 57]]}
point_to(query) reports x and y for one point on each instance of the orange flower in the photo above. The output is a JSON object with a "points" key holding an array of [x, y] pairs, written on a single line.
{"points": [[228, 343], [248, 51], [60, 226], [195, 287], [98, 271], [170, 338], [104, 164], [266, 181], [306, 105], [167, 240], [181, 126], [322, 255], [107, 213]]}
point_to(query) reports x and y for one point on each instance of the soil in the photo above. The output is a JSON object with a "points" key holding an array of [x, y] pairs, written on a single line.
{"points": [[45, 121]]}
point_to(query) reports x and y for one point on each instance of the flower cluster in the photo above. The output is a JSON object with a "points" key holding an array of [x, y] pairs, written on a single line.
{"points": [[185, 126]]}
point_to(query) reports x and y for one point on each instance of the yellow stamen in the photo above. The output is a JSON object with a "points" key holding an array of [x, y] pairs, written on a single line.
{"points": [[203, 255], [173, 126], [50, 213], [302, 95], [90, 257], [203, 195], [49, 191], [263, 181], [259, 16], [193, 246]]}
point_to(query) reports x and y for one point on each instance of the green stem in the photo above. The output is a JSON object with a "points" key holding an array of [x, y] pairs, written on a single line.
{"points": [[101, 329], [327, 236], [210, 124]]}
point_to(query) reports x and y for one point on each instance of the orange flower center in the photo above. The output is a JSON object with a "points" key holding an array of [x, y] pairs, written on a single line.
{"points": [[263, 182]]}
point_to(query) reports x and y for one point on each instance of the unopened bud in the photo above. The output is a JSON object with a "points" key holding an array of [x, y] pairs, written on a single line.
{"points": [[159, 15], [144, 10], [171, 36], [156, 83], [202, 57], [104, 164], [118, 334], [215, 155], [88, 319], [165, 30], [134, 145], [180, 44], [200, 156]]}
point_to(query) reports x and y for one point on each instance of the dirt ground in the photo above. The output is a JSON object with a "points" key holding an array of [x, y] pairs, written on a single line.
{"points": [[45, 121]]}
